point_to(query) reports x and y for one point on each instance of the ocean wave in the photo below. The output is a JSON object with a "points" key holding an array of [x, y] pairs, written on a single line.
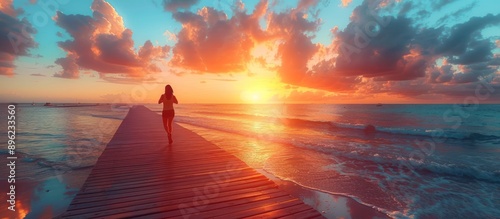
{"points": [[463, 171], [408, 166], [120, 107], [338, 126], [425, 132], [117, 117], [363, 153]]}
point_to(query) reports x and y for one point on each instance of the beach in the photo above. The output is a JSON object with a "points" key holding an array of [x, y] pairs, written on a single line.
{"points": [[322, 152], [337, 109]]}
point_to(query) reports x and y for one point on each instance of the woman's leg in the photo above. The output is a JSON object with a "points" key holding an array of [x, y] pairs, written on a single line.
{"points": [[165, 122], [169, 122]]}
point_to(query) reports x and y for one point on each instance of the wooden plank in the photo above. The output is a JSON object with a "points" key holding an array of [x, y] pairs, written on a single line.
{"points": [[146, 197], [160, 187], [140, 175]]}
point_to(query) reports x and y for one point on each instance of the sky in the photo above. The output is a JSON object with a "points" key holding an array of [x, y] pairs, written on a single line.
{"points": [[250, 51]]}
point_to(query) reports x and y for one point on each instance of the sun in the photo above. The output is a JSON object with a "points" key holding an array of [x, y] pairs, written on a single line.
{"points": [[252, 96], [255, 97], [260, 91]]}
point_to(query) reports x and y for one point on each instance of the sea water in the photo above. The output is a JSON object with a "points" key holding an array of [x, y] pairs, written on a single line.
{"points": [[416, 161], [56, 147]]}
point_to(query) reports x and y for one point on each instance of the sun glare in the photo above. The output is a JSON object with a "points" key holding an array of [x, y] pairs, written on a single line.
{"points": [[253, 97]]}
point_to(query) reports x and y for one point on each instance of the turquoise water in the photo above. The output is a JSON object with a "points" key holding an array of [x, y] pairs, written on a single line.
{"points": [[416, 161], [405, 160], [56, 149]]}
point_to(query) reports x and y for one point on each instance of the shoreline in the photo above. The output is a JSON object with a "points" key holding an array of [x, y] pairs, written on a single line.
{"points": [[158, 179], [342, 202]]}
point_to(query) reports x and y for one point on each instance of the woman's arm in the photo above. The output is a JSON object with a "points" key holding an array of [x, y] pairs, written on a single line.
{"points": [[175, 100], [161, 99]]}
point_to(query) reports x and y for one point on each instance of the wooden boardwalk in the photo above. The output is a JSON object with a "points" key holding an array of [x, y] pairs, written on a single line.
{"points": [[140, 175]]}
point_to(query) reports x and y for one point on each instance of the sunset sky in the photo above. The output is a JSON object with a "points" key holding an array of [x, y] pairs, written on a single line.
{"points": [[225, 51]]}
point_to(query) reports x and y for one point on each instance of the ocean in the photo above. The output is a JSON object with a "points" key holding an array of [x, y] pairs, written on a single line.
{"points": [[407, 161]]}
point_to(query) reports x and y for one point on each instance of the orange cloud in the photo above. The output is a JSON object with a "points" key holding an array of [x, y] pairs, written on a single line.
{"points": [[7, 8], [346, 3], [391, 56], [103, 44], [211, 42]]}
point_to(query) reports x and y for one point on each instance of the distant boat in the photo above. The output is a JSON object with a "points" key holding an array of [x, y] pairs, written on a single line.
{"points": [[379, 104], [33, 103], [47, 104]]}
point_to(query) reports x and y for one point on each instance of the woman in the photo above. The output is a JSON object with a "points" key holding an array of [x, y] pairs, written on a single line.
{"points": [[168, 99]]}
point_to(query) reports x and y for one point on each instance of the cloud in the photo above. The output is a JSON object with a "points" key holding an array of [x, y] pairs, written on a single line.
{"points": [[381, 53], [346, 3], [170, 36], [305, 96], [210, 42], [297, 49], [463, 34], [7, 8], [70, 67], [174, 5], [441, 3], [16, 37], [103, 44], [223, 79]]}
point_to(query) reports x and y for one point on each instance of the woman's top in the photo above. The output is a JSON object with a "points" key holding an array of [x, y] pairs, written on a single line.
{"points": [[168, 104]]}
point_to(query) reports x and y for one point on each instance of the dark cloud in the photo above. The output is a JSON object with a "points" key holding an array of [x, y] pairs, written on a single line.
{"points": [[407, 6], [477, 51], [70, 68], [381, 55], [462, 34], [441, 74], [174, 5], [472, 73], [438, 4], [16, 37], [457, 14], [378, 53], [380, 49]]}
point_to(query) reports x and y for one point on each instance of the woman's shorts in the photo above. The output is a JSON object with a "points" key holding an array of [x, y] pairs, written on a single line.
{"points": [[168, 113]]}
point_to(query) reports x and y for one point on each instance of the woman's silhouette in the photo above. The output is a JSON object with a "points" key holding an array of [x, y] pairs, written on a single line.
{"points": [[168, 99]]}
